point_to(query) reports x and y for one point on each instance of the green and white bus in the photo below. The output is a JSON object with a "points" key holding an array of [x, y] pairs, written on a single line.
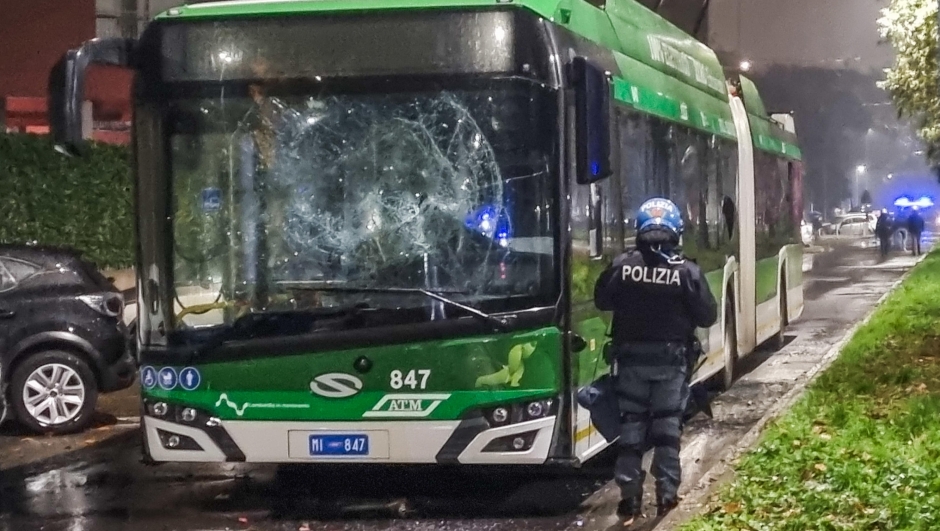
{"points": [[368, 231]]}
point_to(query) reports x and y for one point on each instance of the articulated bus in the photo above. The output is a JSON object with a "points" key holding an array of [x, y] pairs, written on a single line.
{"points": [[369, 231]]}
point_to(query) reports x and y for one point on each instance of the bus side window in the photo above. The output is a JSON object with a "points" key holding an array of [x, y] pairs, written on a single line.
{"points": [[729, 211], [596, 228], [607, 219], [597, 232], [582, 270], [635, 172]]}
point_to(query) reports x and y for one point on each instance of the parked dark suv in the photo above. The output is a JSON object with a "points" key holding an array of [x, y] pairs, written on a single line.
{"points": [[62, 340]]}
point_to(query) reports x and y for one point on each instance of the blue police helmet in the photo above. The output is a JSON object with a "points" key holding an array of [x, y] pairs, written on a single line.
{"points": [[660, 215]]}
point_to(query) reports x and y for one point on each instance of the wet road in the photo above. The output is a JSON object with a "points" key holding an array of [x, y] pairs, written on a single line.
{"points": [[104, 487]]}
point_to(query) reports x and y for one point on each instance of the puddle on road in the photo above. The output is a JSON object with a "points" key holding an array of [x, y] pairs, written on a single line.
{"points": [[97, 491]]}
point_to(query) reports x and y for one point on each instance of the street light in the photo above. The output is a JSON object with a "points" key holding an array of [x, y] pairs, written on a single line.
{"points": [[746, 66], [859, 171]]}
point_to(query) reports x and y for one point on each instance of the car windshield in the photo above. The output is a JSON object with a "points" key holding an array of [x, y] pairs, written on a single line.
{"points": [[444, 188]]}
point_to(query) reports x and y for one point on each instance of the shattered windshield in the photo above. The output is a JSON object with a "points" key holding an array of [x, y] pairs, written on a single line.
{"points": [[441, 188]]}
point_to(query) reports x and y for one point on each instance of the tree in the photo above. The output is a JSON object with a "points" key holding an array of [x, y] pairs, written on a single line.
{"points": [[911, 28], [866, 197]]}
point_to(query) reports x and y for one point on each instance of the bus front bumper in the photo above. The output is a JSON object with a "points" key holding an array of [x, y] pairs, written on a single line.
{"points": [[470, 441]]}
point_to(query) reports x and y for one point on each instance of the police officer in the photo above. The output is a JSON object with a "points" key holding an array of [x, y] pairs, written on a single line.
{"points": [[883, 231], [915, 227], [658, 299]]}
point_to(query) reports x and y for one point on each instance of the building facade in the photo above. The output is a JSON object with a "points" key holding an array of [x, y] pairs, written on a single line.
{"points": [[35, 34]]}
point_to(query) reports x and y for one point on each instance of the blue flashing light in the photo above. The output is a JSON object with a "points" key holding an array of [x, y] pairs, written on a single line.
{"points": [[595, 168], [906, 202], [491, 222]]}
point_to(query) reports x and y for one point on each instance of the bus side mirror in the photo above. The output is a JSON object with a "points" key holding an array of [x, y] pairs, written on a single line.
{"points": [[67, 88], [592, 121]]}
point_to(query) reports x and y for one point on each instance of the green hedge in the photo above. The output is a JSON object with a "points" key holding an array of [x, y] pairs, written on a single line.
{"points": [[83, 202]]}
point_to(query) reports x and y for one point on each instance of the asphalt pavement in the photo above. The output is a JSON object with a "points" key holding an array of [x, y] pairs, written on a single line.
{"points": [[95, 481]]}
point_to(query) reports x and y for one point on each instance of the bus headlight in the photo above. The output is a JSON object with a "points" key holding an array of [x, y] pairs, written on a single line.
{"points": [[175, 412], [499, 415], [159, 409], [536, 410], [177, 441], [519, 442], [507, 414]]}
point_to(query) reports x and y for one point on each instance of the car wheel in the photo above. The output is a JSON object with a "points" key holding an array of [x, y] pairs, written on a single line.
{"points": [[54, 391]]}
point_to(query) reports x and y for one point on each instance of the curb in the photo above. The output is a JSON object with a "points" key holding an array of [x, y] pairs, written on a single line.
{"points": [[692, 505]]}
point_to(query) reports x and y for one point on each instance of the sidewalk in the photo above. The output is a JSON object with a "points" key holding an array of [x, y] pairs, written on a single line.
{"points": [[861, 449]]}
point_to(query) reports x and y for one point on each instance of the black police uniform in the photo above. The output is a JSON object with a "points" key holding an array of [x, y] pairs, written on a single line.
{"points": [[883, 232], [915, 226], [657, 304]]}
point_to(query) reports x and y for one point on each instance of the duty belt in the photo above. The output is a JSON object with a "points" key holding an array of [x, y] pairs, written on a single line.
{"points": [[651, 353]]}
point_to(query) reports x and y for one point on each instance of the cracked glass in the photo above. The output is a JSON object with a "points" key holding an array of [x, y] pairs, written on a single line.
{"points": [[445, 187]]}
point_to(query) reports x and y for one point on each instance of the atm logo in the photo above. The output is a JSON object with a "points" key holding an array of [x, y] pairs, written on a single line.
{"points": [[406, 405]]}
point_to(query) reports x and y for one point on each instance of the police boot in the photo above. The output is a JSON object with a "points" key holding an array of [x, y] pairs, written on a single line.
{"points": [[628, 509], [664, 504]]}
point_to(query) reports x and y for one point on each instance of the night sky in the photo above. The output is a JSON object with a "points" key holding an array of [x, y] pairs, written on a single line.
{"points": [[821, 59], [801, 32]]}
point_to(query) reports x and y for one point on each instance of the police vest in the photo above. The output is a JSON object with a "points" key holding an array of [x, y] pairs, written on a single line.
{"points": [[651, 275]]}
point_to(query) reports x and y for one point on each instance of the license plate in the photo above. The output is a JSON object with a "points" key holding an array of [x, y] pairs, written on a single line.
{"points": [[339, 444]]}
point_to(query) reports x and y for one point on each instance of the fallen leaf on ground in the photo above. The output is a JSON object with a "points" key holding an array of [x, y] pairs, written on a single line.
{"points": [[820, 467]]}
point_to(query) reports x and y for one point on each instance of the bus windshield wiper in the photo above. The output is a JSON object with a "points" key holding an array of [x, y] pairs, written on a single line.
{"points": [[498, 323], [273, 323]]}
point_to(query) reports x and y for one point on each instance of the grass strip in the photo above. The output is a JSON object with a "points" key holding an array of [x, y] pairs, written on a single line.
{"points": [[861, 449]]}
